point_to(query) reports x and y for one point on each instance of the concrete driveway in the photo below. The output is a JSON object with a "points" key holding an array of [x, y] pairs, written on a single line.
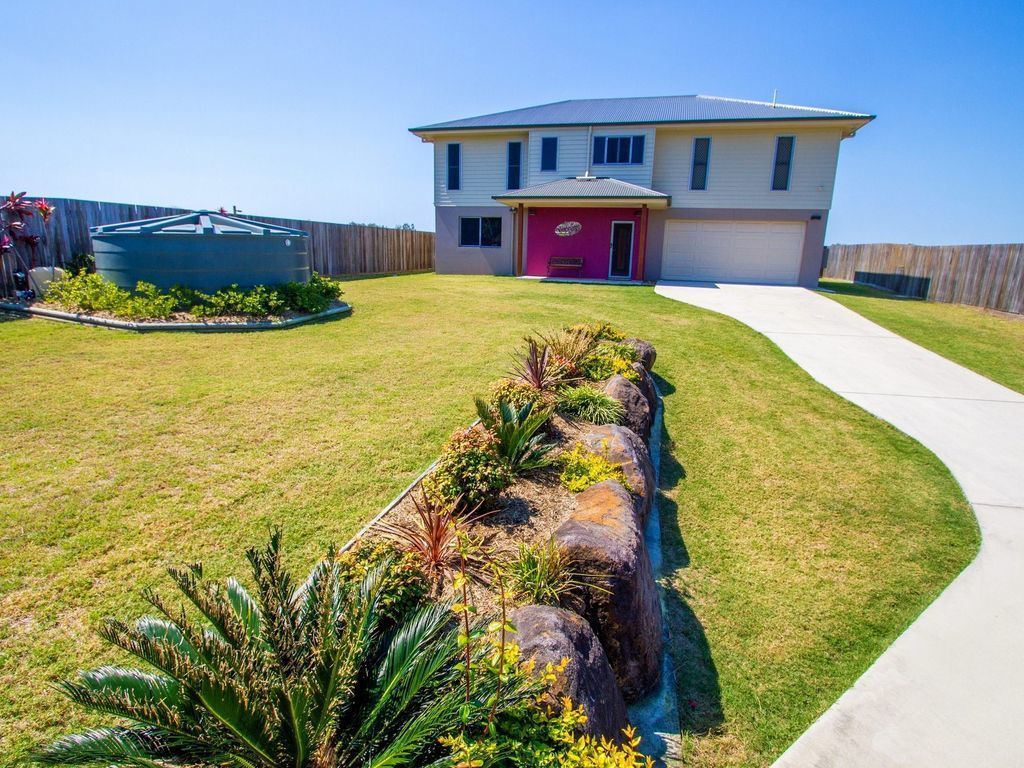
{"points": [[950, 690]]}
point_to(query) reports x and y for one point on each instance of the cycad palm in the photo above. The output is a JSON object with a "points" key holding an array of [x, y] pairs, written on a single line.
{"points": [[304, 675]]}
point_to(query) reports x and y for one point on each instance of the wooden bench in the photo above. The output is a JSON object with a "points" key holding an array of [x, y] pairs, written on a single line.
{"points": [[565, 262]]}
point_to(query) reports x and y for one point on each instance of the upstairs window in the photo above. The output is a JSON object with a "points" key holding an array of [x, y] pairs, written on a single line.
{"points": [[618, 150], [454, 166], [549, 153], [699, 171], [783, 162], [513, 176], [480, 232]]}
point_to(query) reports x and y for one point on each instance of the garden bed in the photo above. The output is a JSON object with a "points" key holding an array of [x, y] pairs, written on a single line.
{"points": [[178, 322], [562, 547]]}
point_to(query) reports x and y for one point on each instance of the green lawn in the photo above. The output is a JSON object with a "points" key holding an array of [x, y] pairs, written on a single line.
{"points": [[803, 535], [987, 342]]}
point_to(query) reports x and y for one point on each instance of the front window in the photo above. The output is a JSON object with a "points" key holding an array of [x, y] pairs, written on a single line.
{"points": [[480, 231], [515, 165], [454, 166], [783, 163], [619, 150]]}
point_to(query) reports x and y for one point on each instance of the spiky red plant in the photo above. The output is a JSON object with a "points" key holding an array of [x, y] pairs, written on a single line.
{"points": [[538, 368], [434, 540]]}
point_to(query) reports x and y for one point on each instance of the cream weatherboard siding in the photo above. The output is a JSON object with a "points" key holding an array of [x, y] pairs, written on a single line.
{"points": [[572, 153], [484, 166], [740, 168]]}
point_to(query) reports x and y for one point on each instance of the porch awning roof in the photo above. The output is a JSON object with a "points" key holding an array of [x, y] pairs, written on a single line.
{"points": [[586, 191]]}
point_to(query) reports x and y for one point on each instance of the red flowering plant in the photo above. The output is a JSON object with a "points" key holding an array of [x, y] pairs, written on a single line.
{"points": [[15, 210]]}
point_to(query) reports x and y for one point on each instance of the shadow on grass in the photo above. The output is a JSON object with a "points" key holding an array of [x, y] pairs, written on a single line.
{"points": [[844, 288], [697, 686], [6, 317]]}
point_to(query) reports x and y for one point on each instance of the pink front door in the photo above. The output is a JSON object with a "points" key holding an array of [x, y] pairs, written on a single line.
{"points": [[604, 239]]}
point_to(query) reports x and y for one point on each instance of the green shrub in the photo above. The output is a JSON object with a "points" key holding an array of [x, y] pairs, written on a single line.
{"points": [[294, 671], [312, 297], [403, 583], [582, 468], [520, 440], [543, 575], [470, 468], [591, 405], [89, 292], [516, 393], [609, 359], [598, 331]]}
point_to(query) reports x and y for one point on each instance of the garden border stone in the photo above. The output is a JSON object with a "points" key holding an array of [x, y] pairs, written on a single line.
{"points": [[138, 327], [548, 634], [622, 446]]}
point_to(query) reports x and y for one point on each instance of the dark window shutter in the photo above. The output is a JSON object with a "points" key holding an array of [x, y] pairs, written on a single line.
{"points": [[599, 143], [783, 163], [454, 165], [549, 153], [515, 160], [638, 151], [699, 173]]}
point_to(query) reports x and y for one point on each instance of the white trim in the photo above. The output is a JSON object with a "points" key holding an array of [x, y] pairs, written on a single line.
{"points": [[611, 248]]}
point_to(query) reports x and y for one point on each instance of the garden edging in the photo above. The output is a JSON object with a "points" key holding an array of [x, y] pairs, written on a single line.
{"points": [[129, 325]]}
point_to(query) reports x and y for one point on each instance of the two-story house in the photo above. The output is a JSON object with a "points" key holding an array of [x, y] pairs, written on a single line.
{"points": [[675, 188]]}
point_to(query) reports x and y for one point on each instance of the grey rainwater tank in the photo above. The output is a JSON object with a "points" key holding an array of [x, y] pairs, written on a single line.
{"points": [[204, 250]]}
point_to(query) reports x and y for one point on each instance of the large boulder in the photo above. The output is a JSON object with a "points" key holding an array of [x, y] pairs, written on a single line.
{"points": [[638, 412], [622, 446], [645, 351], [646, 385], [603, 536], [548, 635]]}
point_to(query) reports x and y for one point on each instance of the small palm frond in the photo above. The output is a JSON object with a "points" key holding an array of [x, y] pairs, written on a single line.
{"points": [[146, 747], [518, 431]]}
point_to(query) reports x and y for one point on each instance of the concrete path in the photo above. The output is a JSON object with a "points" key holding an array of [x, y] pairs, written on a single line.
{"points": [[950, 690]]}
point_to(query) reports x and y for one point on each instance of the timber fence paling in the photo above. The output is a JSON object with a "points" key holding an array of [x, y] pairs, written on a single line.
{"points": [[335, 249], [989, 276]]}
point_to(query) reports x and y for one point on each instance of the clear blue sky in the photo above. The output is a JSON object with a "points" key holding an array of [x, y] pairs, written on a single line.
{"points": [[302, 108]]}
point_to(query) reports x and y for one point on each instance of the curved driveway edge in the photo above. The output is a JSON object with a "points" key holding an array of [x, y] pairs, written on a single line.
{"points": [[950, 690]]}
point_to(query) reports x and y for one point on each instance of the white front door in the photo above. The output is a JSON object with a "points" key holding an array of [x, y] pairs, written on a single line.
{"points": [[733, 251]]}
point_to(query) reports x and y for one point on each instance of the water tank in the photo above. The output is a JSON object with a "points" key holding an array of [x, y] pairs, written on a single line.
{"points": [[204, 250]]}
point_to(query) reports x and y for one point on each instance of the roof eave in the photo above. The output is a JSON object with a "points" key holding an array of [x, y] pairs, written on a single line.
{"points": [[663, 201], [424, 132]]}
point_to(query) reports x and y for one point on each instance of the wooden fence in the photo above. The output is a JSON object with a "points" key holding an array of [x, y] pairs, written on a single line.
{"points": [[990, 276], [336, 249]]}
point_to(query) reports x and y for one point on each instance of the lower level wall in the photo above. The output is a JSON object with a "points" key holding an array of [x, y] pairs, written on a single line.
{"points": [[452, 259], [814, 234]]}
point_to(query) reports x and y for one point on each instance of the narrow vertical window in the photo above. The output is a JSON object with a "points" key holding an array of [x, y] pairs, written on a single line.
{"points": [[699, 171], [783, 162], [637, 155], [549, 153], [454, 166], [599, 147], [514, 174]]}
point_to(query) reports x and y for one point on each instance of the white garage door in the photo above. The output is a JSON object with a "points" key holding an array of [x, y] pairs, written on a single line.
{"points": [[733, 251]]}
